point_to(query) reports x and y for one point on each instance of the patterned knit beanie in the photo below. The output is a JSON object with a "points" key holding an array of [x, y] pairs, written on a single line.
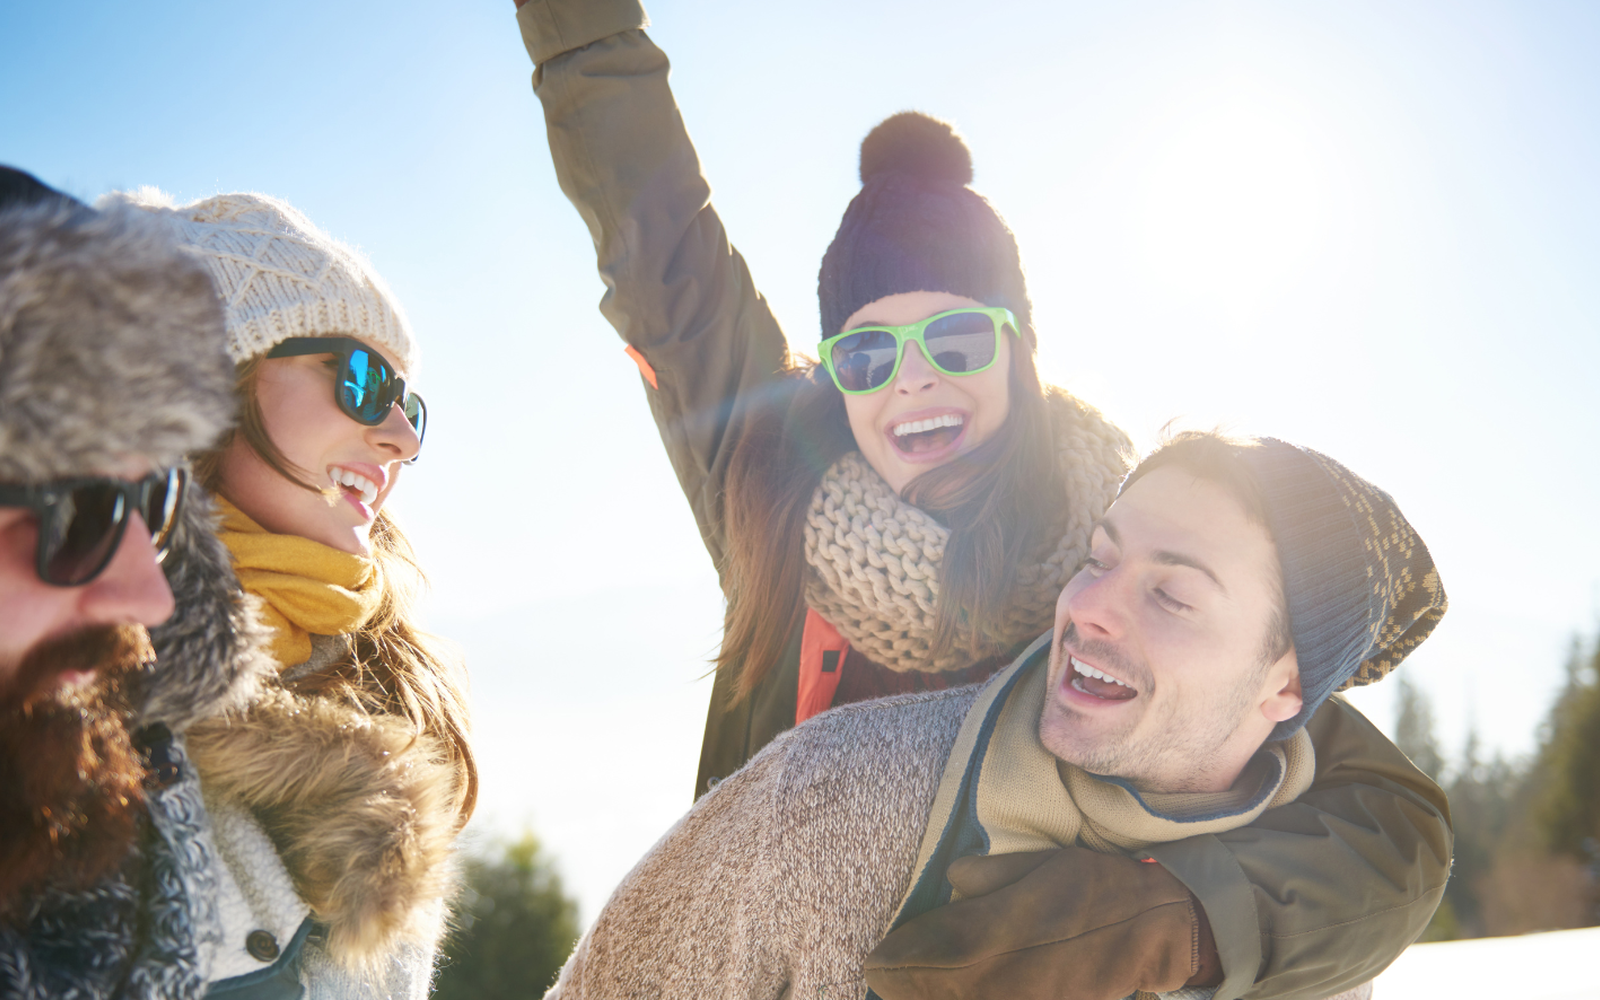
{"points": [[280, 276], [916, 227], [110, 339], [1361, 587]]}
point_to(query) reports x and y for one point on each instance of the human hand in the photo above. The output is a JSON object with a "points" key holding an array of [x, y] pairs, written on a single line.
{"points": [[1067, 924]]}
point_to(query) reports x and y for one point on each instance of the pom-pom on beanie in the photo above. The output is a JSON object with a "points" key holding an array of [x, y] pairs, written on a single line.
{"points": [[280, 276], [916, 226], [110, 339]]}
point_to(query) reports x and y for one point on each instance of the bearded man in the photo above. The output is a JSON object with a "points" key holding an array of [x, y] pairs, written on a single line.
{"points": [[112, 367]]}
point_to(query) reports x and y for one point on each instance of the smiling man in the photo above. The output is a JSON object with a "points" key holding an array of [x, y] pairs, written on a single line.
{"points": [[111, 369], [1230, 589], [1173, 659]]}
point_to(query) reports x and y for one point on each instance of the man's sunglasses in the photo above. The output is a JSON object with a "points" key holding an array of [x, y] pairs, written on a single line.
{"points": [[367, 384], [958, 342], [81, 521]]}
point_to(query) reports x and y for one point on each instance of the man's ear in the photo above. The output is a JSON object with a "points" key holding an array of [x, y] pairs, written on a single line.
{"points": [[1281, 696]]}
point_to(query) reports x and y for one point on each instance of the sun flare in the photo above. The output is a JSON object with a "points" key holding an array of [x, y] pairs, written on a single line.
{"points": [[1237, 196]]}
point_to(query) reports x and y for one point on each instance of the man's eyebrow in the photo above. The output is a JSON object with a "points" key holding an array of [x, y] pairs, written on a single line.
{"points": [[1105, 525], [1164, 557], [1168, 558]]}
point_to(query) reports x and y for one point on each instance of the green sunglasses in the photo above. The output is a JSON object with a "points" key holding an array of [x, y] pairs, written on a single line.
{"points": [[957, 342]]}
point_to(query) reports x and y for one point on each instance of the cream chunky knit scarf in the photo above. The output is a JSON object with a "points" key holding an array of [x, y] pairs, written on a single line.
{"points": [[874, 559]]}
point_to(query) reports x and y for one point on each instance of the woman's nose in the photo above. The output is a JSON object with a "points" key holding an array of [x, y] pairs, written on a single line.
{"points": [[915, 372], [396, 436]]}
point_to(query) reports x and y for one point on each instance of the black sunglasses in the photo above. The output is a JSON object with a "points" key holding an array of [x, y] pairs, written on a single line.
{"points": [[81, 520], [367, 384]]}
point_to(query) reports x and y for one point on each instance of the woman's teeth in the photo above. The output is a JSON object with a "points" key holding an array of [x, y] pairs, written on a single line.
{"points": [[361, 484], [930, 424]]}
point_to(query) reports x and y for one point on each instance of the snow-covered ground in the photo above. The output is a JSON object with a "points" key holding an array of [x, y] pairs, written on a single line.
{"points": [[1558, 965]]}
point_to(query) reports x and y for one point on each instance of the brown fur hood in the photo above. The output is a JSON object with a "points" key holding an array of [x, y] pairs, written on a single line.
{"points": [[360, 807]]}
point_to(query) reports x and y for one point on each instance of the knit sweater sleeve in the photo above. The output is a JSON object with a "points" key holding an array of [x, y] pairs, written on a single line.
{"points": [[676, 290], [696, 916]]}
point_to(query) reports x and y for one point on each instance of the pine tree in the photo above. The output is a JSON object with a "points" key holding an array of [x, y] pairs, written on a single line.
{"points": [[1413, 728], [515, 929], [1568, 811]]}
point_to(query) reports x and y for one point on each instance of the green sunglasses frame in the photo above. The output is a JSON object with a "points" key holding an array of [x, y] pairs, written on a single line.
{"points": [[914, 332]]}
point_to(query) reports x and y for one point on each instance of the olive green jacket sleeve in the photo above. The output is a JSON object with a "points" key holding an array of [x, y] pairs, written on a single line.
{"points": [[676, 290], [1322, 894], [1309, 899]]}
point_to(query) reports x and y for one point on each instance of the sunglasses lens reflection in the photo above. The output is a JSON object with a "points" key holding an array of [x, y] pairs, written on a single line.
{"points": [[961, 343], [160, 508], [365, 380], [416, 414], [865, 359], [81, 531]]}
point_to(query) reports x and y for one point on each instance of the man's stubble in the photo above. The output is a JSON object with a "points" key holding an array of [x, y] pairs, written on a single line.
{"points": [[1194, 734]]}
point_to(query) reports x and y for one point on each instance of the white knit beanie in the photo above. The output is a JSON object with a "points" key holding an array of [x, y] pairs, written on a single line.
{"points": [[279, 276]]}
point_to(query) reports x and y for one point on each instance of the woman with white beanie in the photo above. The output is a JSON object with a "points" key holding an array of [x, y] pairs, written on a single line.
{"points": [[336, 797]]}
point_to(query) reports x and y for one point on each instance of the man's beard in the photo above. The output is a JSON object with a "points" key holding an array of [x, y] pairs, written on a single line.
{"points": [[1194, 736], [70, 778]]}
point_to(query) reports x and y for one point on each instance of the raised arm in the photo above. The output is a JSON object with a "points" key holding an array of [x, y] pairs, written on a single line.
{"points": [[676, 290]]}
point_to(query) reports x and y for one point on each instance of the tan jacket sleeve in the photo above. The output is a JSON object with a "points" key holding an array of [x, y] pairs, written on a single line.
{"points": [[1322, 894], [676, 290]]}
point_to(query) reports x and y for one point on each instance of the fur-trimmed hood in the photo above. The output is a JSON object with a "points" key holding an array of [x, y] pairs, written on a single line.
{"points": [[111, 343], [360, 807], [211, 655]]}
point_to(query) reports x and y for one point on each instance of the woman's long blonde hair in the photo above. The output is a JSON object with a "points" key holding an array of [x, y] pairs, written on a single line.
{"points": [[395, 668]]}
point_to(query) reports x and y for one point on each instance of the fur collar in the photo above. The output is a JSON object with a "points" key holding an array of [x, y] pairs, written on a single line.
{"points": [[211, 655], [360, 807]]}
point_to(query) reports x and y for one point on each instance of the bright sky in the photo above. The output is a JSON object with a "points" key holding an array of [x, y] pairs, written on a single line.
{"points": [[1370, 228]]}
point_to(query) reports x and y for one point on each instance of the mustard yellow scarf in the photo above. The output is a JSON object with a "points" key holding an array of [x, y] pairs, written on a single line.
{"points": [[308, 587]]}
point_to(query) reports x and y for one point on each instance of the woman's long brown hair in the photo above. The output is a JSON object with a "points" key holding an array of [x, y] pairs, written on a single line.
{"points": [[999, 501], [395, 668]]}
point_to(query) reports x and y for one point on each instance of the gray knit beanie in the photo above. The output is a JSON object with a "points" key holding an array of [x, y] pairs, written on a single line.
{"points": [[915, 226], [1361, 587], [1363, 591], [110, 342]]}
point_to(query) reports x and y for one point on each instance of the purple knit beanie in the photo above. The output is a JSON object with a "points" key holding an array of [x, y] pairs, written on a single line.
{"points": [[916, 227]]}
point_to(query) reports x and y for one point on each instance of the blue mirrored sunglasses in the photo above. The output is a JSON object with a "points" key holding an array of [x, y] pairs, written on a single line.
{"points": [[367, 384]]}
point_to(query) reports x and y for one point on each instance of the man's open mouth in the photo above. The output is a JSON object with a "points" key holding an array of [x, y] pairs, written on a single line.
{"points": [[930, 434], [1097, 683]]}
